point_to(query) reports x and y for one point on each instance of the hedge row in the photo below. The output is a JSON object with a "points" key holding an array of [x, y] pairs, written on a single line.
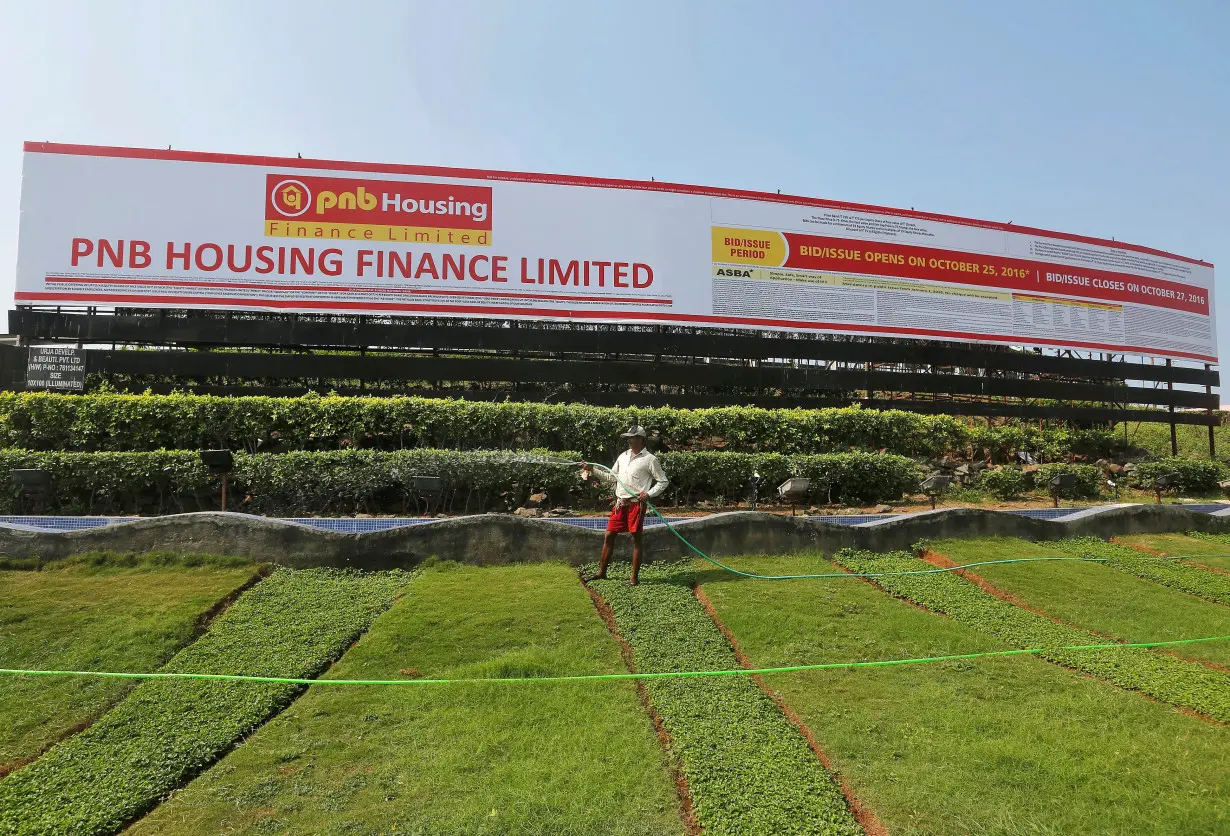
{"points": [[376, 482], [1170, 679], [110, 422], [732, 742], [293, 624], [1175, 574]]}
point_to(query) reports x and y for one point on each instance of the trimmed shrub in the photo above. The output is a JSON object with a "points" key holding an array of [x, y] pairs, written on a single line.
{"points": [[378, 482], [1088, 480], [1195, 475], [1005, 483], [111, 422]]}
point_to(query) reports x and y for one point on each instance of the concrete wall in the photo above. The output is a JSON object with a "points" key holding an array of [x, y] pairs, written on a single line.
{"points": [[495, 538]]}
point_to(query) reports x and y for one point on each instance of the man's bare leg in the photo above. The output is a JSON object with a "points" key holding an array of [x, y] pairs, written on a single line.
{"points": [[608, 547], [636, 556]]}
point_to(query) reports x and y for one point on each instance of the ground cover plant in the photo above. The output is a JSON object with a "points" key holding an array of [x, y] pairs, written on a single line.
{"points": [[1204, 549], [1096, 597], [1000, 745], [1172, 573], [551, 759], [749, 770], [1172, 680], [97, 612], [292, 624]]}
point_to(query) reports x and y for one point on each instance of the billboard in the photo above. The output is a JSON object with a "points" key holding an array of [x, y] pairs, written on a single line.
{"points": [[144, 228]]}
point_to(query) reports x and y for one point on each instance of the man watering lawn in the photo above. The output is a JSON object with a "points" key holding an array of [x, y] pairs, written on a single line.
{"points": [[642, 474]]}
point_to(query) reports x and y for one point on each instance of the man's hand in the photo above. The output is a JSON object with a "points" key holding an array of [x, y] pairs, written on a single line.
{"points": [[642, 496]]}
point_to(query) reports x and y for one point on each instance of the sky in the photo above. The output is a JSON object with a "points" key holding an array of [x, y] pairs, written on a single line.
{"points": [[1098, 118]]}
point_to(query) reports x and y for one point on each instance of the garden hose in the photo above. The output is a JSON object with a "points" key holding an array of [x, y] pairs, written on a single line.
{"points": [[598, 677], [673, 674], [754, 576]]}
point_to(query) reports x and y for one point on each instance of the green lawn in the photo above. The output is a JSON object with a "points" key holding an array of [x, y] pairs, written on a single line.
{"points": [[1006, 746], [1209, 549], [1193, 440], [84, 618], [1098, 597], [490, 759]]}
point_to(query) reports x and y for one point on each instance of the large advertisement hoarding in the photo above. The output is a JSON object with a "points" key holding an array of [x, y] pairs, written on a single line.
{"points": [[138, 228]]}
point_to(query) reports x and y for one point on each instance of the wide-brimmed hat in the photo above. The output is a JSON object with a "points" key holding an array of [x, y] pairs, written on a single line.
{"points": [[634, 431]]}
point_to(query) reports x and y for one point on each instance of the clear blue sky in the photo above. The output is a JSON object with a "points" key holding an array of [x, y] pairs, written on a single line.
{"points": [[1101, 118]]}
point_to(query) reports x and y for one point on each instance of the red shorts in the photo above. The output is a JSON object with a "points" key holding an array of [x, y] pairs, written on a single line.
{"points": [[627, 516]]}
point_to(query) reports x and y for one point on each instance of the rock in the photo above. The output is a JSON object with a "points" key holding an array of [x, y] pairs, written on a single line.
{"points": [[536, 500], [1130, 467], [949, 463], [977, 467], [1225, 486], [1029, 468], [529, 512], [560, 512], [884, 509]]}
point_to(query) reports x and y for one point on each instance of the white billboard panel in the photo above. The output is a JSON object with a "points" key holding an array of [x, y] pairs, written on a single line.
{"points": [[140, 228]]}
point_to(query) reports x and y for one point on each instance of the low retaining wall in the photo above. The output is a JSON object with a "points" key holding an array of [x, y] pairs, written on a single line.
{"points": [[497, 538]]}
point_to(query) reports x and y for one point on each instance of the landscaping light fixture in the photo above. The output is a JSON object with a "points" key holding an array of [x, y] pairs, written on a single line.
{"points": [[934, 486], [219, 463], [754, 485], [794, 490], [1059, 483], [33, 482], [431, 488], [1114, 486], [1165, 482]]}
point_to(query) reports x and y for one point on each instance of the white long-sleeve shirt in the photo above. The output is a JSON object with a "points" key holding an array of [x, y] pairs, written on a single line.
{"points": [[640, 472]]}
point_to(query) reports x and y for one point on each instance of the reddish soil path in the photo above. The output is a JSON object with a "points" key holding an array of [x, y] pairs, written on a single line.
{"points": [[866, 817], [682, 790]]}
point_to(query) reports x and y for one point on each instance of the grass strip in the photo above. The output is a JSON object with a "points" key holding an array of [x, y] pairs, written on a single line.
{"points": [[988, 746], [749, 770], [1175, 574], [481, 758], [1096, 597], [1172, 680], [294, 623], [1197, 547], [87, 616]]}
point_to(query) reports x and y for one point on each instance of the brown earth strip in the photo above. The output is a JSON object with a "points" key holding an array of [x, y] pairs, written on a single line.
{"points": [[866, 817], [625, 650], [1157, 553], [944, 562]]}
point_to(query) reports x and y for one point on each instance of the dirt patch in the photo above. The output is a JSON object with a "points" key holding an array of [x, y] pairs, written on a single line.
{"points": [[866, 817], [682, 790]]}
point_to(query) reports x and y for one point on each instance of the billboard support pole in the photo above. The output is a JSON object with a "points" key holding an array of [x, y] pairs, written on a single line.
{"points": [[1174, 439], [1208, 390]]}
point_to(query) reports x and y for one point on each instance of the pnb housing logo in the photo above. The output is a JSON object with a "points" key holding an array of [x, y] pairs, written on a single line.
{"points": [[377, 210]]}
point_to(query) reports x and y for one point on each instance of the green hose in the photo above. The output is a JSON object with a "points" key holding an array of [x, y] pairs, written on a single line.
{"points": [[754, 576], [604, 676]]}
